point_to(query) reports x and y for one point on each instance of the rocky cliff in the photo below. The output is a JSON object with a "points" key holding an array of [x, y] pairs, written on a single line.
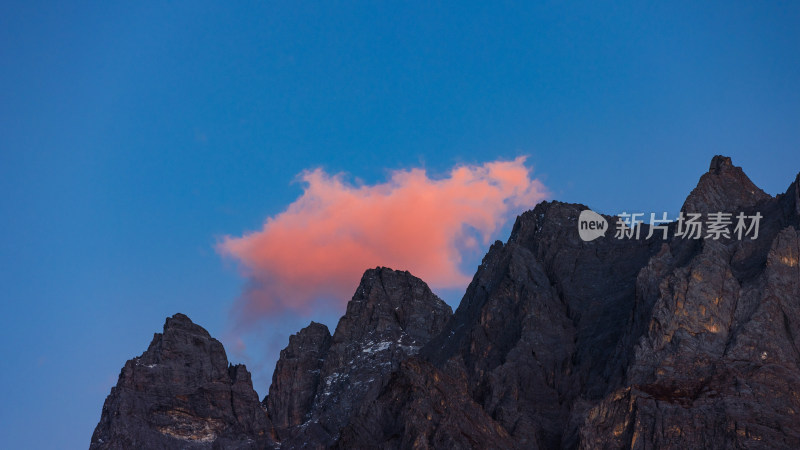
{"points": [[557, 343], [390, 317], [182, 393]]}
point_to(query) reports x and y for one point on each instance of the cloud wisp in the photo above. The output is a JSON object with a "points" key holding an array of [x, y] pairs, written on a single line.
{"points": [[317, 249]]}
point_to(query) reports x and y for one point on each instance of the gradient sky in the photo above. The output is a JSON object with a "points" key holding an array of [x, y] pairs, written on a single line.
{"points": [[134, 138]]}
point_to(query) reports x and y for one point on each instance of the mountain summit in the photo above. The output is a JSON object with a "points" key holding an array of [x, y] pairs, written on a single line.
{"points": [[557, 343], [182, 393]]}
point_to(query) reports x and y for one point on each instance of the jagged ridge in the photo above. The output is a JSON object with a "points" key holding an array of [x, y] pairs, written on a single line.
{"points": [[560, 343]]}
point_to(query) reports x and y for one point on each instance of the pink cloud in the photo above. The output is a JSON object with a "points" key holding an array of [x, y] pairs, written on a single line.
{"points": [[321, 244]]}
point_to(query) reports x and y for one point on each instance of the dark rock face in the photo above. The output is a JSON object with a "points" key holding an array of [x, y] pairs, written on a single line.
{"points": [[540, 321], [557, 343], [512, 338], [181, 393], [714, 359], [390, 317], [719, 363], [296, 377], [422, 407], [628, 343], [724, 188]]}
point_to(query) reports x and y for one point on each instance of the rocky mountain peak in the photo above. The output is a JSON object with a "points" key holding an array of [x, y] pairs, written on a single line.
{"points": [[181, 393], [719, 162], [394, 302], [296, 377], [182, 321], [557, 343], [724, 188], [553, 221], [390, 317]]}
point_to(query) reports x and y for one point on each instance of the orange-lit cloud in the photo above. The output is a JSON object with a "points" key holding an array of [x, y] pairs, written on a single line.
{"points": [[321, 244]]}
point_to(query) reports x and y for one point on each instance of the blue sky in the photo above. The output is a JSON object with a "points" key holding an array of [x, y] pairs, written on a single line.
{"points": [[133, 137]]}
